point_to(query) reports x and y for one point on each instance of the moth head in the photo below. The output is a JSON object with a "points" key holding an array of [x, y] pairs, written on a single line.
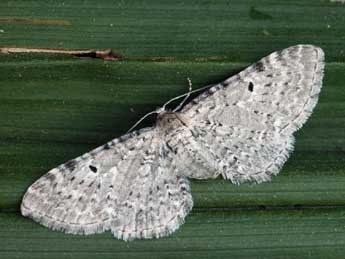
{"points": [[168, 119]]}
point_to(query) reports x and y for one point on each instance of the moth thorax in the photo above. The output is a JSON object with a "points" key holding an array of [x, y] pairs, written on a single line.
{"points": [[168, 120]]}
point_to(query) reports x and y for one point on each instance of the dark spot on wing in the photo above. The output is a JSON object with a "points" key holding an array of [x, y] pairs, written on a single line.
{"points": [[71, 165], [51, 177], [106, 146], [224, 83], [259, 66], [251, 87], [169, 148], [93, 168]]}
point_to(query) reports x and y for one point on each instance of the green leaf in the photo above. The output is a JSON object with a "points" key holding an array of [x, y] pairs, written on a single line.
{"points": [[56, 107]]}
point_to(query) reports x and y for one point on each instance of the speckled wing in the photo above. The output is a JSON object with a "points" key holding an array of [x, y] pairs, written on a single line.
{"points": [[126, 186], [243, 127]]}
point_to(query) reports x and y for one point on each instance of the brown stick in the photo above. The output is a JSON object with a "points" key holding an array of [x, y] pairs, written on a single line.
{"points": [[107, 54]]}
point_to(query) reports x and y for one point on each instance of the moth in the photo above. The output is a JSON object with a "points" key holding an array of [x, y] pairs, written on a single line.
{"points": [[137, 185]]}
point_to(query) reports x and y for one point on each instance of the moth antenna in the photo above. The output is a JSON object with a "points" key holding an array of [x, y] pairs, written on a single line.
{"points": [[187, 96], [161, 109], [142, 118]]}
